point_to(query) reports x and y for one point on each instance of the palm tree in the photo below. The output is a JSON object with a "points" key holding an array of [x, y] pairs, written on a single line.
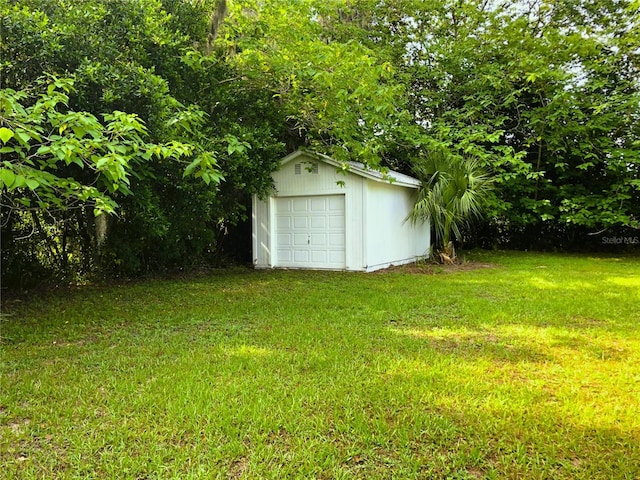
{"points": [[454, 191]]}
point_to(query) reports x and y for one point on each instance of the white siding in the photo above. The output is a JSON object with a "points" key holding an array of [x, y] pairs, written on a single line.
{"points": [[355, 218], [375, 232], [391, 239], [290, 183], [261, 233]]}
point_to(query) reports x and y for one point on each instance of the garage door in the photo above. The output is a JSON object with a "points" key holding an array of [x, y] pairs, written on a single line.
{"points": [[310, 232]]}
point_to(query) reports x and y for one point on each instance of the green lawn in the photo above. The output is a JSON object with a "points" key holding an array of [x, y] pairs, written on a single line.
{"points": [[528, 368]]}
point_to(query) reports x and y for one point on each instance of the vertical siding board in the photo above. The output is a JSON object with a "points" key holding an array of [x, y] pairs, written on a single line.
{"points": [[261, 228], [390, 239], [354, 220], [324, 182]]}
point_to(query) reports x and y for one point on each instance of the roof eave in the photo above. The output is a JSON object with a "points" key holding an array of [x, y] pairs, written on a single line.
{"points": [[387, 179]]}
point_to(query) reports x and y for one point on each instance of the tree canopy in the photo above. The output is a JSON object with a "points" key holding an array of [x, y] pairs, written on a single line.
{"points": [[165, 116]]}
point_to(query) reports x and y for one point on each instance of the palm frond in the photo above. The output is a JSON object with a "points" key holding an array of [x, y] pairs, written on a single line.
{"points": [[453, 193]]}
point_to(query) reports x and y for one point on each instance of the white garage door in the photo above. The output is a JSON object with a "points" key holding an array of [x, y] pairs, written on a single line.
{"points": [[310, 232]]}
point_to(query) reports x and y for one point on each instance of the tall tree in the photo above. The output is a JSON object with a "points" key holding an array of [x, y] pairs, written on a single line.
{"points": [[335, 94], [543, 93], [127, 57]]}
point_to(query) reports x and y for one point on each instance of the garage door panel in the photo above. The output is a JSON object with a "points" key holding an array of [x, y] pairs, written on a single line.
{"points": [[284, 240], [318, 222], [300, 239], [318, 239], [300, 222], [285, 255], [336, 257], [336, 240], [284, 205], [318, 257], [318, 204], [335, 221], [311, 232], [301, 256], [336, 204], [283, 223], [300, 205]]}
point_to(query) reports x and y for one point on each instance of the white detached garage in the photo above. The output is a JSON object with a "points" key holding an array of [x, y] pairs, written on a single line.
{"points": [[324, 218]]}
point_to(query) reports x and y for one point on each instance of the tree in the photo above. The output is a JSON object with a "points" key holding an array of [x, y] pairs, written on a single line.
{"points": [[116, 53], [545, 94], [454, 192], [55, 159], [334, 94]]}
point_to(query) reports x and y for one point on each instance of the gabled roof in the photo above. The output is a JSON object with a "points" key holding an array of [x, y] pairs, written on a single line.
{"points": [[393, 178]]}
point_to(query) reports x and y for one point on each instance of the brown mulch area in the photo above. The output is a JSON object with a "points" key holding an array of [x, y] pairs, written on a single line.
{"points": [[432, 268]]}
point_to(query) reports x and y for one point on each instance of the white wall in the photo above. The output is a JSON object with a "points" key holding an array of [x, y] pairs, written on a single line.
{"points": [[389, 238], [376, 234], [327, 181], [261, 232]]}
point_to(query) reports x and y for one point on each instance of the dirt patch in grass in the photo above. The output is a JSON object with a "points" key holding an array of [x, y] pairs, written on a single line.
{"points": [[18, 425], [238, 468], [432, 268]]}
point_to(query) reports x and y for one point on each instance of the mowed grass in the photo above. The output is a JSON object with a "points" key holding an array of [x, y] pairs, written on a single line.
{"points": [[528, 368]]}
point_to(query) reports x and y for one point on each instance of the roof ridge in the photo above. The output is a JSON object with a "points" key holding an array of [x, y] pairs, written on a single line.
{"points": [[391, 177]]}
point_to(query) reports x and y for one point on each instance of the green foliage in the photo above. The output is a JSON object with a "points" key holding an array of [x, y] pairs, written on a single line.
{"points": [[543, 94], [54, 159], [454, 192], [123, 57], [551, 109], [336, 95]]}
